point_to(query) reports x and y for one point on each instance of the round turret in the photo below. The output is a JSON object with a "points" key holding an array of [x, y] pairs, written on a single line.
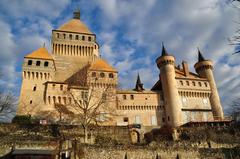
{"points": [[204, 69], [166, 64]]}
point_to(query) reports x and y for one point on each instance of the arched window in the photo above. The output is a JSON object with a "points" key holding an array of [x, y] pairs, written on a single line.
{"points": [[37, 75], [61, 87], [34, 88], [193, 83], [45, 64], [110, 75], [54, 99], [49, 100], [57, 35], [132, 97], [70, 36], [76, 37], [83, 38], [187, 83], [29, 62], [30, 102], [181, 82], [124, 97], [64, 36], [38, 63], [41, 75], [59, 100], [89, 38], [94, 74], [28, 74], [102, 74], [205, 84], [200, 84]]}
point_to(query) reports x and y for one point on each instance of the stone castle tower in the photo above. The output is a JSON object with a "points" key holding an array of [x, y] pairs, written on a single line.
{"points": [[166, 64], [204, 69], [74, 65]]}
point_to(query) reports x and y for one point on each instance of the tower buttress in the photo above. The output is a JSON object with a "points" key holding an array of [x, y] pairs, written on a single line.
{"points": [[166, 64], [204, 69]]}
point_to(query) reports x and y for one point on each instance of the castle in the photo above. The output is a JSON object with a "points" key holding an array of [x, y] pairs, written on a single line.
{"points": [[74, 65]]}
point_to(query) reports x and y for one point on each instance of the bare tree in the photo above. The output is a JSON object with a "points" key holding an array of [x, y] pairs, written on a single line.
{"points": [[92, 107], [7, 104], [235, 108]]}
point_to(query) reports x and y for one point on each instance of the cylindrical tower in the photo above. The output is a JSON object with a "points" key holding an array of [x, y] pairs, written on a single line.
{"points": [[204, 69], [166, 64]]}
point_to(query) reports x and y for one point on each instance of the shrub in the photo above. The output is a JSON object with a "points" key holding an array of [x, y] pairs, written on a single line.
{"points": [[22, 119]]}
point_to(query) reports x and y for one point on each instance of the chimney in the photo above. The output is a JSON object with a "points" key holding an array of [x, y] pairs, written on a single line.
{"points": [[185, 68]]}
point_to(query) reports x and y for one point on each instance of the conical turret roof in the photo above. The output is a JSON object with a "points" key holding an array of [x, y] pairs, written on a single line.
{"points": [[164, 51], [139, 85], [200, 56]]}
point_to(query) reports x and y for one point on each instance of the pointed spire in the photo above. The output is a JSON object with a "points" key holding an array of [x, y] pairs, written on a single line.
{"points": [[200, 56], [164, 52], [76, 14], [139, 85]]}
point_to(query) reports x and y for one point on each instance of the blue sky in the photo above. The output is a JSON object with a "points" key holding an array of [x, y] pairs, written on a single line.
{"points": [[130, 33]]}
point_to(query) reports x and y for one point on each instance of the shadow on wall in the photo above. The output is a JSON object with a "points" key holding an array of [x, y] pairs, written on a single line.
{"points": [[162, 134]]}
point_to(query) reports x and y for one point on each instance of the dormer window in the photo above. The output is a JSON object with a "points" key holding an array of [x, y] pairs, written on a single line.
{"points": [[38, 63], [29, 62], [45, 64]]}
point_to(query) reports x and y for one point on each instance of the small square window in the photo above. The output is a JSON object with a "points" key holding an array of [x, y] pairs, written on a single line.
{"points": [[38, 63], [132, 97], [29, 62], [110, 75], [45, 64], [125, 119]]}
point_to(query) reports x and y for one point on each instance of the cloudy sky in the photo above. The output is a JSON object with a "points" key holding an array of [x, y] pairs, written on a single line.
{"points": [[130, 33]]}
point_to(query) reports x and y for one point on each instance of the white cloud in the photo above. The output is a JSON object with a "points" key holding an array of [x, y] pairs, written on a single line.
{"points": [[183, 26], [130, 34]]}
